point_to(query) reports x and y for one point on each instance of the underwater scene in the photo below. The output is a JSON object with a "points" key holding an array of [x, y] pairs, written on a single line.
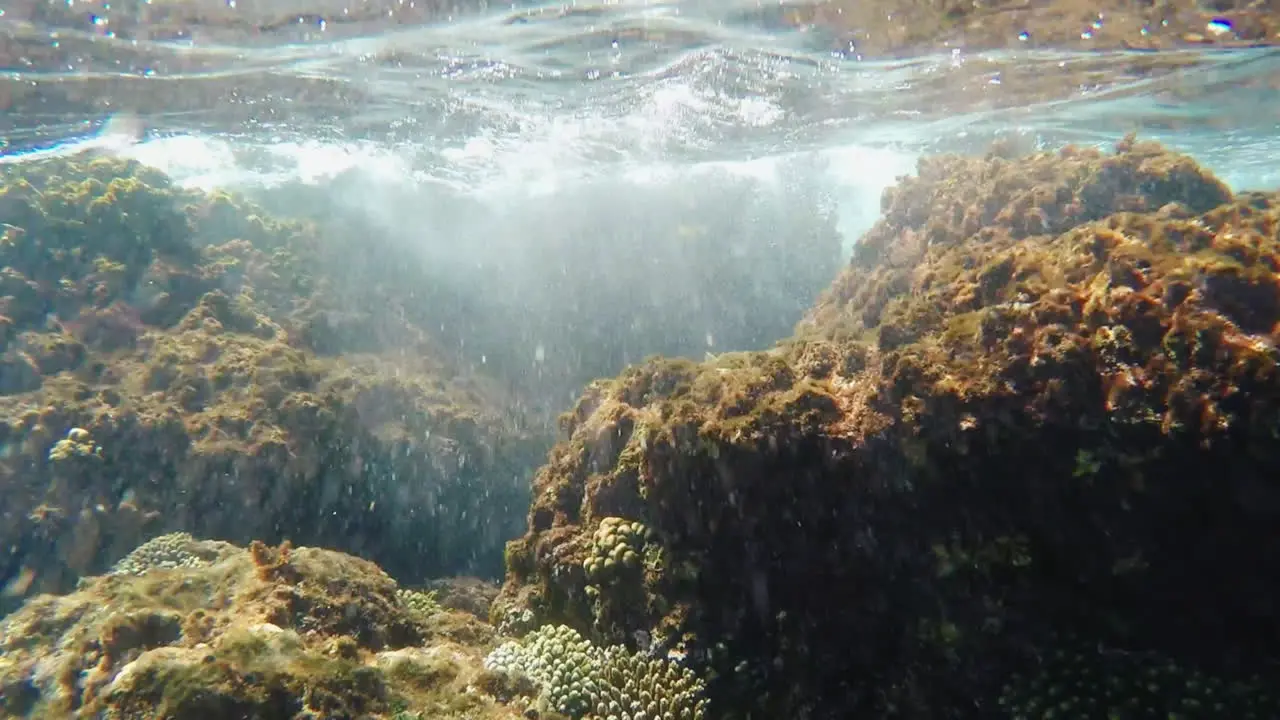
{"points": [[640, 360]]}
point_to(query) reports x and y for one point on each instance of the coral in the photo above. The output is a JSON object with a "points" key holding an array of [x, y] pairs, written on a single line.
{"points": [[77, 444], [423, 603], [168, 551], [1041, 399], [582, 680], [617, 545], [204, 629]]}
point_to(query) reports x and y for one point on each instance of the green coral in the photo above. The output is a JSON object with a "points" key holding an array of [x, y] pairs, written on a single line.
{"points": [[419, 602], [77, 443], [588, 682], [171, 550], [1116, 684], [617, 544]]}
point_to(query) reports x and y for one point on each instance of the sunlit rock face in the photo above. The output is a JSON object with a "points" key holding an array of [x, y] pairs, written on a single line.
{"points": [[1033, 419], [175, 360]]}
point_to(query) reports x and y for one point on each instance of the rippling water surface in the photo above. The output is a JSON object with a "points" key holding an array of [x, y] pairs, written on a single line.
{"points": [[529, 96]]}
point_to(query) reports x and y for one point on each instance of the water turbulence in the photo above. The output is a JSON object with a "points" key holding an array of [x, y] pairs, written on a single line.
{"points": [[639, 360]]}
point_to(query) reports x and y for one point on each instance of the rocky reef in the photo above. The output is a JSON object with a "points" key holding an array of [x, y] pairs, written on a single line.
{"points": [[181, 361], [199, 629], [184, 628], [174, 360], [1022, 457]]}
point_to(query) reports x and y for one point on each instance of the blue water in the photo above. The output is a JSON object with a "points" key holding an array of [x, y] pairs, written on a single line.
{"points": [[520, 102]]}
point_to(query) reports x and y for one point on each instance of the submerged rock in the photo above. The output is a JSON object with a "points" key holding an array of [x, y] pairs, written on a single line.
{"points": [[265, 633], [1042, 400], [180, 361], [185, 628]]}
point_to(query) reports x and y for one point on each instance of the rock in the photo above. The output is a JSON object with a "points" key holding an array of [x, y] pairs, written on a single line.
{"points": [[167, 326], [1037, 405], [268, 633]]}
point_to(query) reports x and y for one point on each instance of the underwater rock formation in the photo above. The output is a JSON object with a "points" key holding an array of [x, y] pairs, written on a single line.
{"points": [[185, 628], [267, 632], [1041, 401], [179, 361], [578, 679]]}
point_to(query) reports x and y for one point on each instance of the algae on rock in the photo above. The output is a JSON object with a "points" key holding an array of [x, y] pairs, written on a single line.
{"points": [[886, 515], [274, 633], [175, 330]]}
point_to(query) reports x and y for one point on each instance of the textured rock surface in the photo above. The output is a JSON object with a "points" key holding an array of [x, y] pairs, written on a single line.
{"points": [[172, 360], [269, 633], [1041, 401], [183, 628]]}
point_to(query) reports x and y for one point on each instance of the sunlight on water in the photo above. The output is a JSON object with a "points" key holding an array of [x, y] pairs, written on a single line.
{"points": [[531, 97]]}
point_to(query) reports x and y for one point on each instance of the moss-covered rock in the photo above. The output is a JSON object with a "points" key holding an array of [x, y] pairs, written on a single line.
{"points": [[268, 632], [1042, 399], [185, 628], [175, 330]]}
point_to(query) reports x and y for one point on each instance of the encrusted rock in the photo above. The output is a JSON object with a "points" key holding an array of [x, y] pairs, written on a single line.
{"points": [[1042, 400]]}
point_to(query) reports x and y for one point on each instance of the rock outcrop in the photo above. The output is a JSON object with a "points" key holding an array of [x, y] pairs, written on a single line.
{"points": [[1035, 418], [178, 361]]}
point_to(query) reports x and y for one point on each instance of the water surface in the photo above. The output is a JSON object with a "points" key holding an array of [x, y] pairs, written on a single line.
{"points": [[528, 95]]}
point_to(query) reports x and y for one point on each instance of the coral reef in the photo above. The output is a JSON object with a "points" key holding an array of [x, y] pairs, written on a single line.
{"points": [[264, 632], [187, 628], [1042, 399], [176, 361], [580, 680], [172, 550]]}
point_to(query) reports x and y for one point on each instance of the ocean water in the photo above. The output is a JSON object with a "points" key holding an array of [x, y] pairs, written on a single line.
{"points": [[511, 103], [469, 133]]}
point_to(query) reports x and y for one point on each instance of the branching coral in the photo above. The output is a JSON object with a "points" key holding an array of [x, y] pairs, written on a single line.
{"points": [[584, 681]]}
